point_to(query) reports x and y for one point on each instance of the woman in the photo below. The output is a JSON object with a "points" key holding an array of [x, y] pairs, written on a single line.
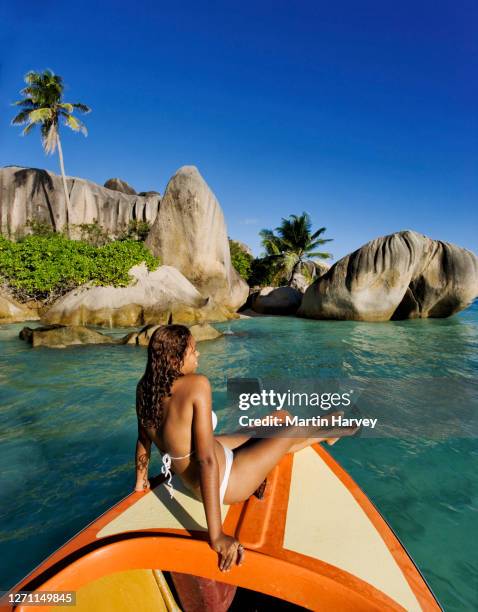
{"points": [[174, 409]]}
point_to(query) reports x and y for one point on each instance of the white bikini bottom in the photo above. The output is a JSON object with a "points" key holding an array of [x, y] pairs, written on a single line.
{"points": [[229, 455], [227, 471]]}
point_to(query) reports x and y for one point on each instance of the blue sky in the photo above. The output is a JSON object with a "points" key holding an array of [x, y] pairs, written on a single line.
{"points": [[361, 113]]}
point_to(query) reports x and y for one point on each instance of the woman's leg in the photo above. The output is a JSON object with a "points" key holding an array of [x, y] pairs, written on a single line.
{"points": [[303, 443], [253, 462], [239, 438], [233, 440]]}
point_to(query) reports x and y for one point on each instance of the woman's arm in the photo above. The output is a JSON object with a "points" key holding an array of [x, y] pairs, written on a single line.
{"points": [[143, 453], [206, 455], [227, 547]]}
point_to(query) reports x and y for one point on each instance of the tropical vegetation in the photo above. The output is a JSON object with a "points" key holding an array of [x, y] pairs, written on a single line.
{"points": [[240, 259], [46, 266], [287, 248]]}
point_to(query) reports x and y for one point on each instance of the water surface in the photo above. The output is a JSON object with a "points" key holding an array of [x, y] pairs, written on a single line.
{"points": [[68, 432]]}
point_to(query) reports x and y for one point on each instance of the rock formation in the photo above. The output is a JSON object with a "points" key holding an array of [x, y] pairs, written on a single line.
{"points": [[12, 311], [61, 336], [158, 297], [300, 282], [401, 276], [202, 331], [31, 194], [276, 300], [116, 184], [190, 234]]}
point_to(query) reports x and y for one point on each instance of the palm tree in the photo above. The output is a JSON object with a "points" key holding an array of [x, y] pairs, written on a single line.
{"points": [[43, 105], [293, 244]]}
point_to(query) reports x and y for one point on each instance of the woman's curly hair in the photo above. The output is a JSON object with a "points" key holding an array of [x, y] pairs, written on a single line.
{"points": [[166, 352]]}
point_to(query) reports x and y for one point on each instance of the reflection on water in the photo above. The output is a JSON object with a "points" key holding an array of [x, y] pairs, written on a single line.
{"points": [[68, 432]]}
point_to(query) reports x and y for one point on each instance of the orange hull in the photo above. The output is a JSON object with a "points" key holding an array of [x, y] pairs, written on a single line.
{"points": [[306, 571]]}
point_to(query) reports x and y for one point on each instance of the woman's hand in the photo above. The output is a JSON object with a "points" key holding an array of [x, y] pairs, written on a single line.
{"points": [[230, 551]]}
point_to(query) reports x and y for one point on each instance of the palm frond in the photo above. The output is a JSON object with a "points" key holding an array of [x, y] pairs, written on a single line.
{"points": [[66, 106], [318, 232], [320, 255], [50, 138], [83, 108], [22, 118], [28, 129], [40, 115], [270, 242], [29, 91], [32, 77], [25, 103], [311, 245], [74, 123]]}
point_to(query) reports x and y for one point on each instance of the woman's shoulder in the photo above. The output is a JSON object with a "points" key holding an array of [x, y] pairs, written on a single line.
{"points": [[195, 382]]}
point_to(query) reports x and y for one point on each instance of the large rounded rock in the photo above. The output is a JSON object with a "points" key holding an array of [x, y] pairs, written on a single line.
{"points": [[12, 311], [320, 267], [306, 273], [190, 234], [158, 297], [277, 301], [401, 276], [300, 282]]}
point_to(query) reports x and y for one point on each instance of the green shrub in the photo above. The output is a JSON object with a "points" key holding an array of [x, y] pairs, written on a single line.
{"points": [[264, 273], [39, 228], [93, 233], [136, 230], [240, 259], [45, 267]]}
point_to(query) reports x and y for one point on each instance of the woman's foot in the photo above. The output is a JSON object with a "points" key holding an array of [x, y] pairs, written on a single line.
{"points": [[345, 432], [331, 441], [349, 432], [342, 431]]}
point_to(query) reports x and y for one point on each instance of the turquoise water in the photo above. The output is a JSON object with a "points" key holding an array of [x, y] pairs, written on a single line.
{"points": [[68, 434]]}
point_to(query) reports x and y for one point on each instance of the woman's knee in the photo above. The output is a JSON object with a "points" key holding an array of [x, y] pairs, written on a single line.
{"points": [[281, 415], [292, 431]]}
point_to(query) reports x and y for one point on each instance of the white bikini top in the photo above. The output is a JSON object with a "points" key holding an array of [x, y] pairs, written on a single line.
{"points": [[166, 459]]}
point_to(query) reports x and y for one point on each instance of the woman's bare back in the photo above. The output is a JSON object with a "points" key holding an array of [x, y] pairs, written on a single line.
{"points": [[175, 436]]}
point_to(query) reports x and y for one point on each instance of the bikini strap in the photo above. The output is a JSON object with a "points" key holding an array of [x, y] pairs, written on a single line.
{"points": [[183, 457], [166, 469]]}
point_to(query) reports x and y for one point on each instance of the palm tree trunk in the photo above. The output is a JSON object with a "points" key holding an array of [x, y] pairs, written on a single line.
{"points": [[296, 265], [65, 186]]}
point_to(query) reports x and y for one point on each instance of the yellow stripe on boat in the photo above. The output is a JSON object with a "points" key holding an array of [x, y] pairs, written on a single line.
{"points": [[156, 510], [325, 521], [122, 592]]}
